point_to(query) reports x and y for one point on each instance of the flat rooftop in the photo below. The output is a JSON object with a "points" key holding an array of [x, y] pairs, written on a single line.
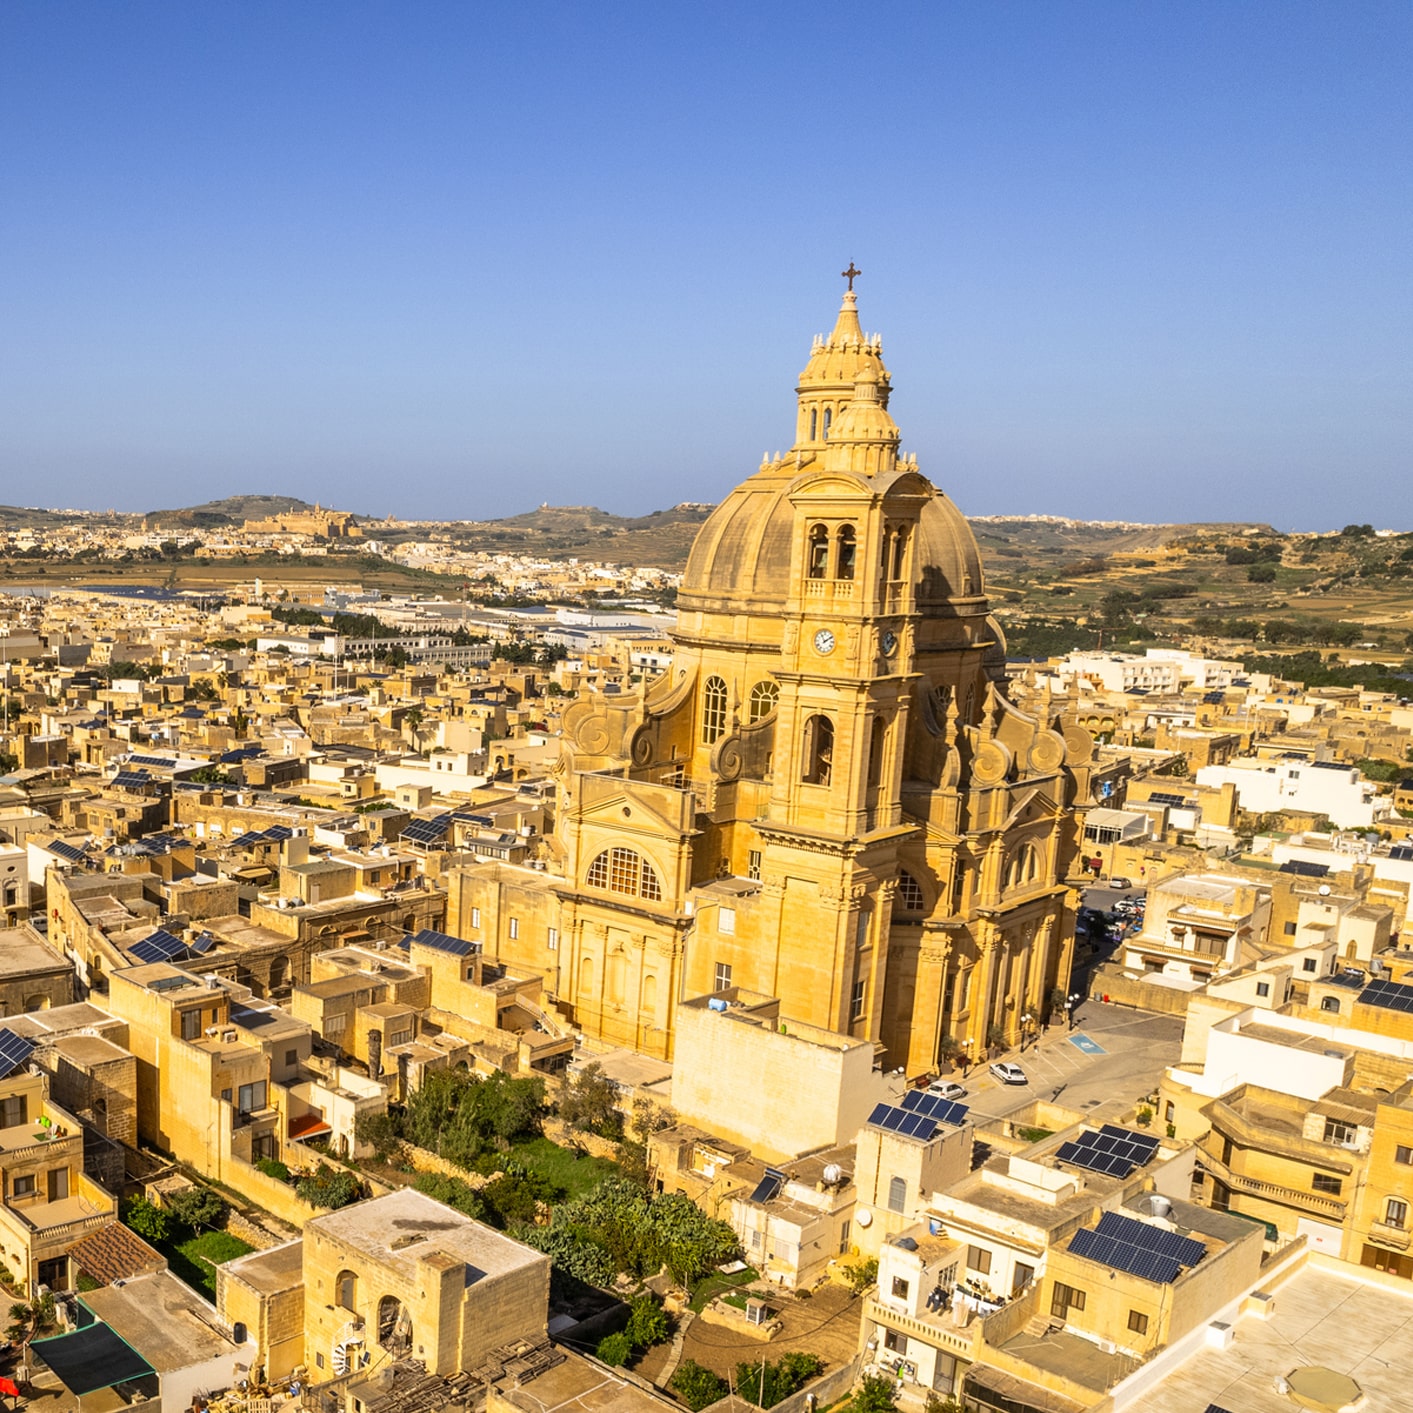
{"points": [[270, 1272], [403, 1227], [162, 1318], [1321, 1317]]}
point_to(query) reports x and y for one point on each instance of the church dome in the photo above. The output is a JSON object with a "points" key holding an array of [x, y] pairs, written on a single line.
{"points": [[741, 558]]}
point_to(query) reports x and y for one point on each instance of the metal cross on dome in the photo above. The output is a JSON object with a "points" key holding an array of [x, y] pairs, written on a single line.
{"points": [[851, 274]]}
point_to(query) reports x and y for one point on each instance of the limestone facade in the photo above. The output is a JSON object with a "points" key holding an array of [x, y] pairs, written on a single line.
{"points": [[828, 798]]}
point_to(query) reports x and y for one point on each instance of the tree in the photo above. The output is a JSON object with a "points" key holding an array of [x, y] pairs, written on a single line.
{"points": [[1261, 574], [647, 1322], [876, 1393], [590, 1102], [209, 775], [697, 1386], [454, 1191], [197, 1207], [615, 1350], [149, 1222], [862, 1274], [329, 1187], [766, 1384], [381, 1132]]}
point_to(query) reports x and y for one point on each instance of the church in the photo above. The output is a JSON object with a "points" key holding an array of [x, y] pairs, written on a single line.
{"points": [[828, 798]]}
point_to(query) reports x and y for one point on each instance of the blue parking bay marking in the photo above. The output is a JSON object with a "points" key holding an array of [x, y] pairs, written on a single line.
{"points": [[1083, 1042]]}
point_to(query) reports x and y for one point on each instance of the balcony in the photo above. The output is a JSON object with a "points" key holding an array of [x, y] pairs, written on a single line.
{"points": [[61, 1134], [1313, 1202], [938, 1330], [1385, 1234]]}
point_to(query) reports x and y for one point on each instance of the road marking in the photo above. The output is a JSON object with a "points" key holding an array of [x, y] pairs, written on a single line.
{"points": [[1083, 1042]]}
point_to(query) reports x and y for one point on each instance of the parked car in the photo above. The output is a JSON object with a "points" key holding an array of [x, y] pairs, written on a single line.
{"points": [[947, 1089], [1008, 1073], [1121, 883]]}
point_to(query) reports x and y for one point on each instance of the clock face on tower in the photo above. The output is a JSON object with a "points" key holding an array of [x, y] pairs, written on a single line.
{"points": [[824, 642]]}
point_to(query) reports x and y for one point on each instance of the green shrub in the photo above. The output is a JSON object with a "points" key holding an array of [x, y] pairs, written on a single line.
{"points": [[647, 1322], [149, 1222], [272, 1167], [329, 1187], [876, 1393], [766, 1384], [862, 1274], [696, 1386], [197, 1207], [615, 1349]]}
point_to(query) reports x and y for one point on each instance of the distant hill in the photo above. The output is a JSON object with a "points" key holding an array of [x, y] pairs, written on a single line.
{"points": [[233, 510], [662, 538]]}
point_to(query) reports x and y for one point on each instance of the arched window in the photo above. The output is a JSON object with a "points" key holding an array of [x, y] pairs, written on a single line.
{"points": [[1329, 1003], [900, 549], [394, 1325], [1024, 866], [828, 418], [878, 736], [586, 977], [765, 697], [650, 993], [814, 424], [844, 565], [819, 750], [897, 1195], [713, 710], [346, 1290], [624, 871], [819, 552], [909, 897]]}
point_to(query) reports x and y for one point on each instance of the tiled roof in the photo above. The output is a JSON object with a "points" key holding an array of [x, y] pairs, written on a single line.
{"points": [[115, 1253]]}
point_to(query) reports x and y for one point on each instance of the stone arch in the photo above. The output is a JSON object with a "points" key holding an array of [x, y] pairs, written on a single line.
{"points": [[713, 710], [818, 764], [622, 870]]}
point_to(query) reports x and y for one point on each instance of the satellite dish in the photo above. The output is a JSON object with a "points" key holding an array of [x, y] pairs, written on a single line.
{"points": [[1324, 890], [863, 1217]]}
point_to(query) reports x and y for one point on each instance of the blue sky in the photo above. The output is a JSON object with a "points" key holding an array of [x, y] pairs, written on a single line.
{"points": [[1143, 261]]}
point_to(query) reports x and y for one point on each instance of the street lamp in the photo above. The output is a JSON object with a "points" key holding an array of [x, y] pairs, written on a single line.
{"points": [[1027, 1021], [1071, 1002]]}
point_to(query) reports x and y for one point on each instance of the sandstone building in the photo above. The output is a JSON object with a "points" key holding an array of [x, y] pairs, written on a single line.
{"points": [[828, 798]]}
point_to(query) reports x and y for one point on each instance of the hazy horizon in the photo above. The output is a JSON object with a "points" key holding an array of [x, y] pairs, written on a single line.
{"points": [[1129, 263]]}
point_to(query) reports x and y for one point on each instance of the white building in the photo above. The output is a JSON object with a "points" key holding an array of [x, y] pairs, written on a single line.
{"points": [[1314, 787]]}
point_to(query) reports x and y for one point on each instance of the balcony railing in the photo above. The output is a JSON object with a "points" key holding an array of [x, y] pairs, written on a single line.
{"points": [[1258, 1187], [940, 1332], [1386, 1234]]}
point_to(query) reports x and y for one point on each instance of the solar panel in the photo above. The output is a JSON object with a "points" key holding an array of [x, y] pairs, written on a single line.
{"points": [[159, 947], [458, 947], [1304, 869], [66, 851], [1403, 852], [203, 944], [1164, 797], [132, 780], [14, 1051], [1121, 1256], [1158, 1240], [1144, 1142], [1388, 995], [907, 1122], [1066, 1152], [769, 1185], [945, 1111]]}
